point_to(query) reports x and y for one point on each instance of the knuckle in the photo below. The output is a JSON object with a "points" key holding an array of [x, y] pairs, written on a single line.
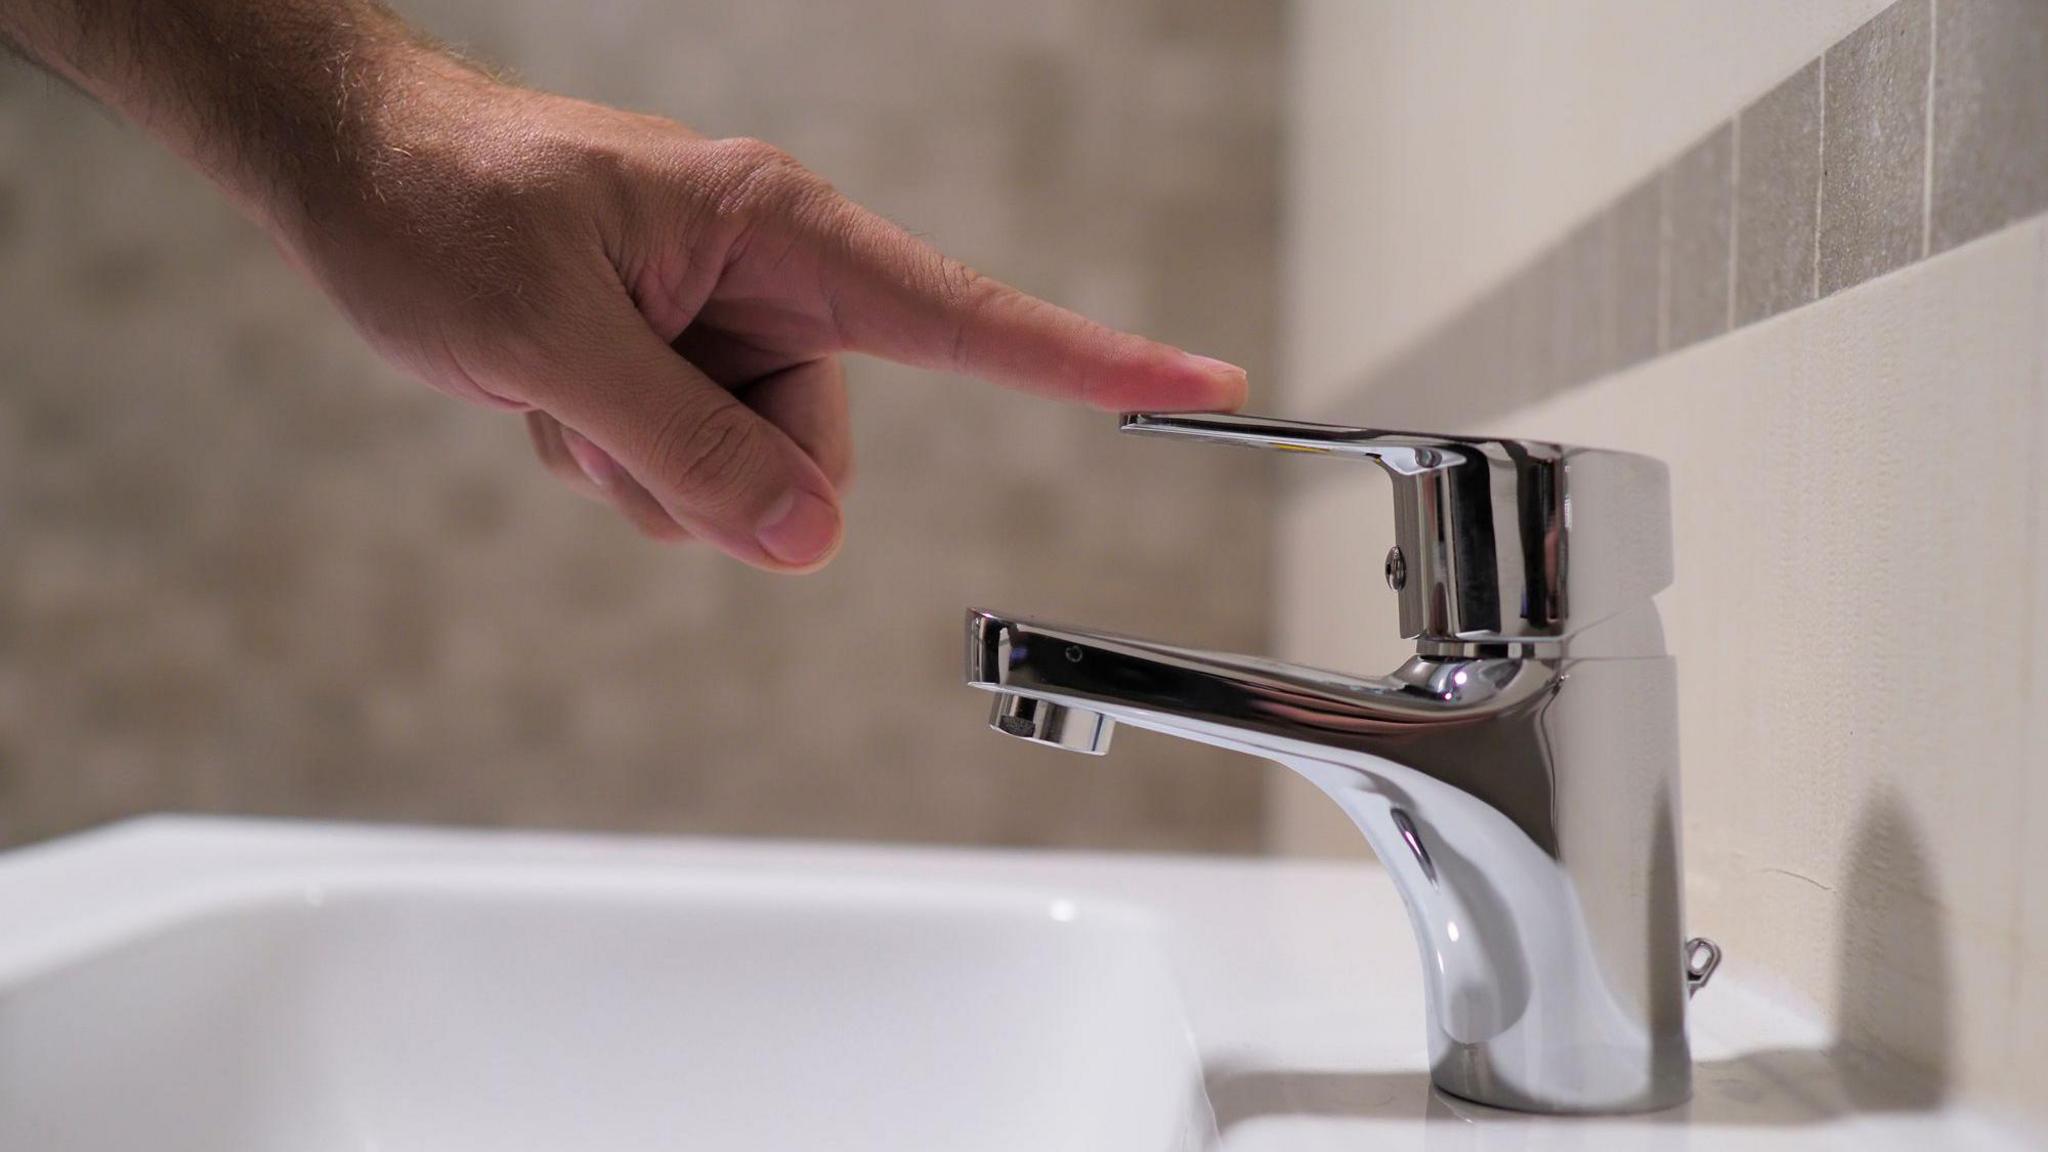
{"points": [[754, 176], [748, 152], [714, 458], [964, 295], [956, 285]]}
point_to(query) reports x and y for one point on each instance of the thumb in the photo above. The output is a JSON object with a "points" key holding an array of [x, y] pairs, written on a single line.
{"points": [[729, 476]]}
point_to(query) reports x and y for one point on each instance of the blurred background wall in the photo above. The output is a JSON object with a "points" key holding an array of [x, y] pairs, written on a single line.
{"points": [[245, 567]]}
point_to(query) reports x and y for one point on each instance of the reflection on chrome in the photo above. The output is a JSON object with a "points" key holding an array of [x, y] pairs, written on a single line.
{"points": [[1517, 776]]}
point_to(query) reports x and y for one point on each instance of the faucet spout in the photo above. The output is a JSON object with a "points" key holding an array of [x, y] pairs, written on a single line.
{"points": [[1522, 798], [1246, 703]]}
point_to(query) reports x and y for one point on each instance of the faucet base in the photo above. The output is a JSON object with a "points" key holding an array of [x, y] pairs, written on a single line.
{"points": [[1466, 1075]]}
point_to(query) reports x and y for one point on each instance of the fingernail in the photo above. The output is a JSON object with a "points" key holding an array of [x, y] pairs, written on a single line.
{"points": [[799, 529], [1232, 378], [596, 464]]}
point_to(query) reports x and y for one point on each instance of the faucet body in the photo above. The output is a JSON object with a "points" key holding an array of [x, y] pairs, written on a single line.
{"points": [[1517, 780]]}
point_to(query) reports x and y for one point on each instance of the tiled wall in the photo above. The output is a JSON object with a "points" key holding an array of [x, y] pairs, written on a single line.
{"points": [[1919, 131], [1849, 381], [245, 567]]}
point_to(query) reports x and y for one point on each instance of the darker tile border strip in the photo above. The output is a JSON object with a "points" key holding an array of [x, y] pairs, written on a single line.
{"points": [[1672, 261]]}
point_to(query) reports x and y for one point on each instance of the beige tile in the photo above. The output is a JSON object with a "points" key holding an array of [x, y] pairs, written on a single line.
{"points": [[1437, 147], [2029, 1019], [1332, 611], [1852, 823], [1536, 320], [1451, 381], [2019, 1082], [1588, 303], [1861, 726], [244, 567]]}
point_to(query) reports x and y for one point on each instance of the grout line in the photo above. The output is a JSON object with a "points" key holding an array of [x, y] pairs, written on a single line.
{"points": [[1734, 209], [1820, 178], [1927, 136]]}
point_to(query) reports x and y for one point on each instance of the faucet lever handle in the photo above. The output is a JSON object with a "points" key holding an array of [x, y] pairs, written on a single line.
{"points": [[1499, 540], [1401, 453]]}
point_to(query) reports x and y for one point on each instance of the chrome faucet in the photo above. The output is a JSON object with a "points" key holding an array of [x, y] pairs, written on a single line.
{"points": [[1518, 776]]}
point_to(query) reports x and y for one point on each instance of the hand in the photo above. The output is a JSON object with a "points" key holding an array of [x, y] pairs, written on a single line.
{"points": [[667, 310]]}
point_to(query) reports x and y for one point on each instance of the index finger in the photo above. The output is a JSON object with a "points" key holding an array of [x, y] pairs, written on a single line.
{"points": [[893, 295]]}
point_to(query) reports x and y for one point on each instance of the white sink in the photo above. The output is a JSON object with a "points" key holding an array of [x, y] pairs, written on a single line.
{"points": [[551, 1011], [210, 986]]}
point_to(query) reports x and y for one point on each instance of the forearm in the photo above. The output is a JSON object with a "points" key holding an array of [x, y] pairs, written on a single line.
{"points": [[279, 101]]}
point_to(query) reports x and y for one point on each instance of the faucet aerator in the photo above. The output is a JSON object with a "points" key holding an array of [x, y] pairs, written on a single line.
{"points": [[1053, 725]]}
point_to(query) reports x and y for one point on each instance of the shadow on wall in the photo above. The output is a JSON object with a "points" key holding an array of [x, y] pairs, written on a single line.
{"points": [[1891, 1053]]}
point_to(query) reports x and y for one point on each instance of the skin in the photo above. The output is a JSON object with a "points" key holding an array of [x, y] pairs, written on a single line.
{"points": [[667, 312]]}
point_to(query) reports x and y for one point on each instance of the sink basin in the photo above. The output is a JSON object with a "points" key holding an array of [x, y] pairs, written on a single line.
{"points": [[228, 987], [552, 1012]]}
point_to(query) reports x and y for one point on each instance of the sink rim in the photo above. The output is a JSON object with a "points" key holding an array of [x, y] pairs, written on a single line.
{"points": [[118, 919]]}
